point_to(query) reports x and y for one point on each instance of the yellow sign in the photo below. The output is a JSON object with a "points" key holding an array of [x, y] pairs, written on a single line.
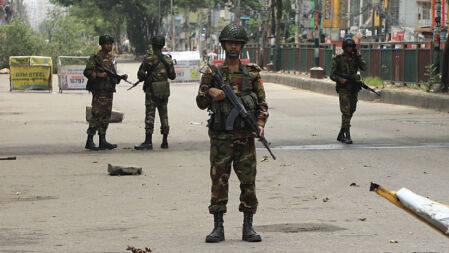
{"points": [[327, 14], [31, 73], [336, 13]]}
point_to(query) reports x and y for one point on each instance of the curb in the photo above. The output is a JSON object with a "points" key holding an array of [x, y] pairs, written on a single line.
{"points": [[418, 99]]}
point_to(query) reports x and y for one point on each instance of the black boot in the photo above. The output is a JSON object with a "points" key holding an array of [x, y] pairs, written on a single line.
{"points": [[341, 136], [104, 144], [90, 143], [147, 144], [217, 234], [348, 137], [164, 141], [248, 233]]}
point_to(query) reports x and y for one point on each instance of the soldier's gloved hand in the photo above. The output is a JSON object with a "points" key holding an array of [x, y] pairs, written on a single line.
{"points": [[261, 131], [102, 74], [342, 80], [124, 77], [216, 94]]}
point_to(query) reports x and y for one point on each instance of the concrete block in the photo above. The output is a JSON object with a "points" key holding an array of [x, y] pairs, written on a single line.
{"points": [[116, 116]]}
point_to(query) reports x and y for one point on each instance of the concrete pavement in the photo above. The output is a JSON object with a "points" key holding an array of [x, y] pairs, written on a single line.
{"points": [[57, 197]]}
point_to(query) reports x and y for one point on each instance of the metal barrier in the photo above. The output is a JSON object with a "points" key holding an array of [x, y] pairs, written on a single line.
{"points": [[390, 61]]}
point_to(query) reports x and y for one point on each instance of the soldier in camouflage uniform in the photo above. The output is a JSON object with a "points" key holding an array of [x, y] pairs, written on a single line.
{"points": [[102, 87], [344, 71], [155, 70], [234, 147]]}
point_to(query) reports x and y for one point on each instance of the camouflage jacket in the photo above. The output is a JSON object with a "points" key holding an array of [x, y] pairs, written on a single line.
{"points": [[95, 83], [150, 72], [342, 65], [254, 87]]}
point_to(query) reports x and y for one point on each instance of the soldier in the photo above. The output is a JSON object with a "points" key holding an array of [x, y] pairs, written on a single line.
{"points": [[234, 147], [344, 71], [155, 70], [102, 87]]}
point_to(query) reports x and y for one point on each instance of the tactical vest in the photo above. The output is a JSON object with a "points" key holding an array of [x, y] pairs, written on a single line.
{"points": [[157, 82], [220, 110], [348, 71], [102, 84]]}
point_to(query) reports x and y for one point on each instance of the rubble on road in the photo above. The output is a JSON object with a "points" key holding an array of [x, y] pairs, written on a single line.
{"points": [[117, 170]]}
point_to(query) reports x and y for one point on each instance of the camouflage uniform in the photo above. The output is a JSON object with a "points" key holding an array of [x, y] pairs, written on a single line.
{"points": [[233, 147], [345, 65], [156, 89], [102, 90]]}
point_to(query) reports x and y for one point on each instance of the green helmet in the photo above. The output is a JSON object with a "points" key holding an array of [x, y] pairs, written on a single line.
{"points": [[348, 43], [105, 38], [158, 40], [233, 32]]}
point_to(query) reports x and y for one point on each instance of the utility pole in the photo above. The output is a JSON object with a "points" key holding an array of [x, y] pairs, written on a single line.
{"points": [[172, 26], [265, 31], [436, 33], [209, 28], [297, 19], [317, 34], [237, 13], [317, 71]]}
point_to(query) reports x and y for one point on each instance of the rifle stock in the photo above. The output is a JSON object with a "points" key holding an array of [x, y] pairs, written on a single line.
{"points": [[109, 72], [360, 83]]}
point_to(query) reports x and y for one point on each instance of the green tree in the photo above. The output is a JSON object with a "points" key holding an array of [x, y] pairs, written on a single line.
{"points": [[65, 36], [18, 39], [141, 17]]}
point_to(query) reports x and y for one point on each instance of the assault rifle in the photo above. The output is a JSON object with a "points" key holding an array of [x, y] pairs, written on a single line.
{"points": [[135, 84], [359, 83], [238, 110], [110, 73]]}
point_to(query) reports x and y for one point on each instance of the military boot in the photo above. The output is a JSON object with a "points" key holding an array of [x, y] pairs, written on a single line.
{"points": [[348, 139], [164, 144], [217, 234], [90, 143], [248, 233], [341, 136], [104, 144], [147, 144]]}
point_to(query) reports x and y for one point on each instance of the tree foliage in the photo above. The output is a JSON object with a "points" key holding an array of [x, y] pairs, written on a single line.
{"points": [[18, 39]]}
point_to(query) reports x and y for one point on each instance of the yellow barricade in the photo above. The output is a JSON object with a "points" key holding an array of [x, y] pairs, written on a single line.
{"points": [[30, 73]]}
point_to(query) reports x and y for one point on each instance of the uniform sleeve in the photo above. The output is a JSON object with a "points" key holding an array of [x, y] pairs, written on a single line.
{"points": [[262, 106], [362, 63], [334, 70], [143, 68], [171, 70], [203, 99], [89, 71]]}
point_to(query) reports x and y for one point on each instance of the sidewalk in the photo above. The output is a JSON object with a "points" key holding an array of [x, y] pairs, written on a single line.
{"points": [[419, 99]]}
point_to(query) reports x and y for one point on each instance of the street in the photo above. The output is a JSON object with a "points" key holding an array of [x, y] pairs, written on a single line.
{"points": [[58, 197]]}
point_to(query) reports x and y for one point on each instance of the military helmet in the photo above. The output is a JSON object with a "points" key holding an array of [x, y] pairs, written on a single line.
{"points": [[158, 40], [233, 32], [348, 43], [105, 38]]}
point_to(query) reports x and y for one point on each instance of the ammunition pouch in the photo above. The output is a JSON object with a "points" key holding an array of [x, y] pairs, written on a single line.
{"points": [[220, 111], [160, 89]]}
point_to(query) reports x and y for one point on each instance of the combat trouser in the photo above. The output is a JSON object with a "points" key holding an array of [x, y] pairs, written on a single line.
{"points": [[348, 105], [151, 103], [241, 153], [101, 112]]}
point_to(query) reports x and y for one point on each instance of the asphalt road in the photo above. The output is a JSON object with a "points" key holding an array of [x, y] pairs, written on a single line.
{"points": [[57, 197]]}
